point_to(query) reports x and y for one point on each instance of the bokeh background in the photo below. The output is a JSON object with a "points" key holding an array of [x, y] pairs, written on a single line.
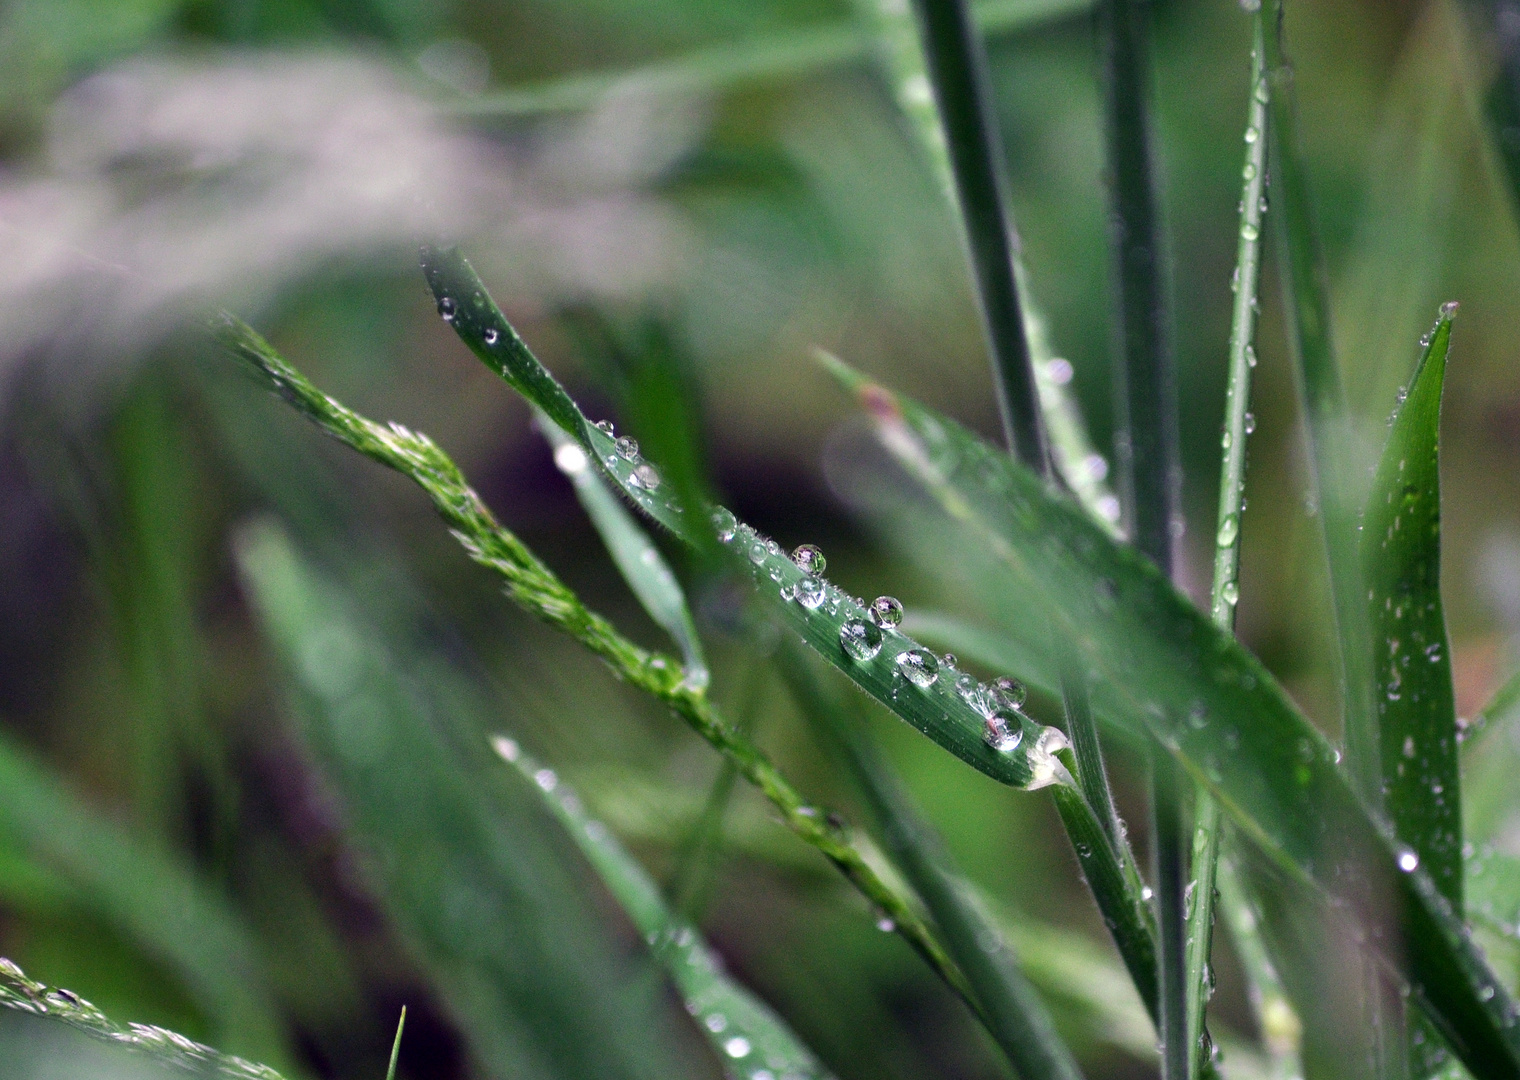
{"points": [[674, 200]]}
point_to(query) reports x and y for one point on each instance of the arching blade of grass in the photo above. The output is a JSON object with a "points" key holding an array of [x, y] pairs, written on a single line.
{"points": [[167, 1047], [746, 1034], [534, 587], [821, 616], [639, 561], [780, 55], [1165, 669], [1401, 565], [149, 896], [471, 875], [1016, 1017]]}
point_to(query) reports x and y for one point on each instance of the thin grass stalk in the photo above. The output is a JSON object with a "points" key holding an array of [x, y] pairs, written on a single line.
{"points": [[535, 588], [1147, 455], [1226, 591], [390, 1072], [1281, 1029], [1014, 1013]]}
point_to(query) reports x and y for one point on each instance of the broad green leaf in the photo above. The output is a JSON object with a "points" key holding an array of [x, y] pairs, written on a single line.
{"points": [[167, 1047], [933, 707], [642, 566], [1401, 568], [745, 1033], [473, 876], [150, 897], [1165, 669]]}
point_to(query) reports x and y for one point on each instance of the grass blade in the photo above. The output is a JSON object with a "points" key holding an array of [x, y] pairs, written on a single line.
{"points": [[640, 562], [531, 584], [745, 1033], [1401, 565], [1166, 670], [1014, 1014], [167, 1047], [933, 706], [1281, 1030], [390, 1072]]}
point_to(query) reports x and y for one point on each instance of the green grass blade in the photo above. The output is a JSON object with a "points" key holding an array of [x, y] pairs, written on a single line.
{"points": [[534, 587], [782, 55], [1281, 1029], [390, 1071], [1499, 707], [1014, 1014], [167, 1047], [745, 1032], [473, 877], [152, 898], [1492, 886], [1165, 669], [935, 709], [1401, 566], [640, 562]]}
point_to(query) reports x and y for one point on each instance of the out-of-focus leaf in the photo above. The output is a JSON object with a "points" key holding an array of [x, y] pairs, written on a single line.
{"points": [[1164, 668], [1401, 567], [745, 1032], [1492, 883], [469, 872], [927, 702], [148, 896], [170, 1048]]}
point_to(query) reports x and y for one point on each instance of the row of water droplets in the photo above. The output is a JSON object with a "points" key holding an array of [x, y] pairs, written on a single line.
{"points": [[998, 703]]}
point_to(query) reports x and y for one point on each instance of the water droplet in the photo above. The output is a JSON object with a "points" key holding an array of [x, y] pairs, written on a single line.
{"points": [[1449, 309], [1262, 95], [1252, 135], [492, 335], [1146, 892], [885, 925], [1248, 231], [570, 459], [1235, 280], [1433, 652], [1229, 528], [860, 640], [1424, 344], [724, 524], [809, 592], [918, 666], [1226, 440], [605, 427], [1249, 172], [886, 612], [627, 448], [1409, 746], [1408, 861], [1230, 594], [645, 476], [716, 1023], [446, 308], [757, 552], [737, 1047], [1250, 356], [1010, 692], [809, 559], [546, 779], [1004, 731], [1486, 993]]}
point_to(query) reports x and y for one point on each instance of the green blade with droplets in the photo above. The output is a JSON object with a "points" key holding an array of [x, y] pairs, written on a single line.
{"points": [[933, 706], [745, 1033]]}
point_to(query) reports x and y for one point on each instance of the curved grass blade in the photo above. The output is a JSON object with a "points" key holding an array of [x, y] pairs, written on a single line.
{"points": [[745, 1033], [531, 584], [640, 562], [390, 1072], [1014, 1014], [823, 613], [164, 1046], [1401, 565], [1499, 707], [1165, 669]]}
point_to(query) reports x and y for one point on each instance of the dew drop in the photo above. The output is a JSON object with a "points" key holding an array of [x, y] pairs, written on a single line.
{"points": [[1010, 692], [860, 640], [809, 559], [1250, 423], [492, 335], [605, 427], [1252, 135], [919, 667], [885, 925], [1250, 356], [1230, 594], [716, 1023], [1248, 231], [1249, 172], [809, 592], [1449, 309], [446, 308], [1408, 861], [886, 612], [1262, 94], [627, 448], [724, 524], [570, 459], [757, 552], [1229, 528], [737, 1047], [1226, 440], [645, 476], [1003, 731]]}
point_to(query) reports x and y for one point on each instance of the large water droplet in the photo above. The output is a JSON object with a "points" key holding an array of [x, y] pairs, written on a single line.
{"points": [[737, 1047], [645, 476], [1003, 731], [724, 524], [918, 666], [1408, 861], [809, 559], [1248, 231], [605, 427], [627, 448], [1010, 692], [809, 592], [1252, 135], [1229, 528], [757, 552], [860, 640], [886, 612], [1449, 309]]}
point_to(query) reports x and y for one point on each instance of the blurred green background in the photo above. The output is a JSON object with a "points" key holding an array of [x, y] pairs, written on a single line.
{"points": [[173, 845]]}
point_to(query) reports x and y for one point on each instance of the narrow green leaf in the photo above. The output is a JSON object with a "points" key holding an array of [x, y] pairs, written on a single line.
{"points": [[390, 1072], [745, 1033], [1492, 886], [469, 872], [935, 707], [167, 1047], [1013, 1012], [1401, 566], [1165, 669], [640, 562]]}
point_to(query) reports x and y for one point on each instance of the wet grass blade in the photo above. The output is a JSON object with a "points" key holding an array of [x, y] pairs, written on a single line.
{"points": [[1165, 669], [537, 590], [838, 627], [1014, 1014], [745, 1033], [167, 1047], [640, 562], [390, 1071], [1401, 566]]}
